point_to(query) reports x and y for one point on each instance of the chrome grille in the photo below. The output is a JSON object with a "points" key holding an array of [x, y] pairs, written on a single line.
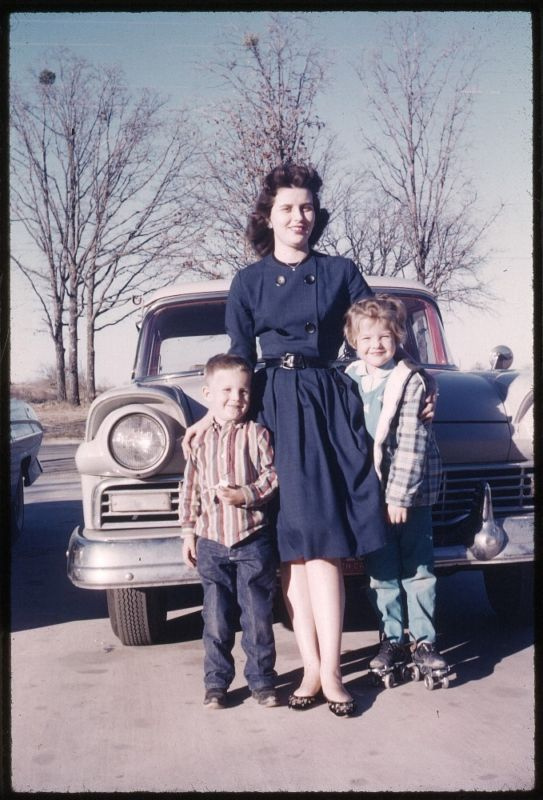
{"points": [[129, 515], [512, 488]]}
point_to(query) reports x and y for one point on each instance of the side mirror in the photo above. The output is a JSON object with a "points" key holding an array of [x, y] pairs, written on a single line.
{"points": [[501, 357]]}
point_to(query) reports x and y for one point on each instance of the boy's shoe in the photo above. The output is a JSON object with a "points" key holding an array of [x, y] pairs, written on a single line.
{"points": [[265, 697], [390, 654], [215, 698], [426, 655]]}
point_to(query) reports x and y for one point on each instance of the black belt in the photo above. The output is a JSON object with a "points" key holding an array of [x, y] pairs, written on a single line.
{"points": [[296, 361]]}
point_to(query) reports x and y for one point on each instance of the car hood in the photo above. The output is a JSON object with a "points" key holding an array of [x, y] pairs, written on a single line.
{"points": [[476, 418], [481, 417]]}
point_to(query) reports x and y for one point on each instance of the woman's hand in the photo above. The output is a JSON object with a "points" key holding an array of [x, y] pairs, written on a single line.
{"points": [[194, 433], [189, 550], [430, 401], [429, 410]]}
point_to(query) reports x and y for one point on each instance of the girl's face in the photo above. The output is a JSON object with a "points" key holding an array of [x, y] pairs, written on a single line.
{"points": [[292, 218], [375, 342]]}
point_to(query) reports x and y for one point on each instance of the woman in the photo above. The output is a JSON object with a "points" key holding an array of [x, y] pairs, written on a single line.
{"points": [[294, 299]]}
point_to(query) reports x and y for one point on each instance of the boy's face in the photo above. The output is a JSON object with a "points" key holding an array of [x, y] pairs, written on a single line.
{"points": [[375, 342], [228, 392]]}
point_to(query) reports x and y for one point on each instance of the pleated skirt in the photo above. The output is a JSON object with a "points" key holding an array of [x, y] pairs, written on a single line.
{"points": [[329, 502]]}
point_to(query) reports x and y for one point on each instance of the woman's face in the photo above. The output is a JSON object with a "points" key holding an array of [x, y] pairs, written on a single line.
{"points": [[292, 218]]}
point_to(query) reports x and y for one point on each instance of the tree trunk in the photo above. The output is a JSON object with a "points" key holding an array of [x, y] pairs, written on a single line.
{"points": [[91, 357], [73, 374], [60, 369]]}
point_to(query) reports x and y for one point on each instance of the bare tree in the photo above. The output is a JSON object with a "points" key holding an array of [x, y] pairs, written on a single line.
{"points": [[101, 184], [268, 116], [419, 101], [365, 227]]}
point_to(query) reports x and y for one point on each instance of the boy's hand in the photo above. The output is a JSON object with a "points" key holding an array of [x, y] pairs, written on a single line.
{"points": [[396, 515], [189, 550], [230, 495]]}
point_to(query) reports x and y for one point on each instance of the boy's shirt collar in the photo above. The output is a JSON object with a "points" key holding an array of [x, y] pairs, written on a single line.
{"points": [[218, 426]]}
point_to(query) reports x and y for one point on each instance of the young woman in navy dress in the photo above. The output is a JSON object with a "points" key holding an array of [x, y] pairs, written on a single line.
{"points": [[294, 301]]}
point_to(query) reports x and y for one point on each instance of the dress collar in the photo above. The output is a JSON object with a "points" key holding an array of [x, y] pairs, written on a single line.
{"points": [[291, 266]]}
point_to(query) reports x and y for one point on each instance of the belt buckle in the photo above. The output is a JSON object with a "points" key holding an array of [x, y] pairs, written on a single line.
{"points": [[292, 361]]}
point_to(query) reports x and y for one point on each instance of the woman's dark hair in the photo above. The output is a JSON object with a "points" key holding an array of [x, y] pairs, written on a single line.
{"points": [[285, 176]]}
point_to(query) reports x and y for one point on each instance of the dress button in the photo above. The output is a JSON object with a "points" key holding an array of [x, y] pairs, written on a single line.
{"points": [[280, 280], [310, 328], [309, 279]]}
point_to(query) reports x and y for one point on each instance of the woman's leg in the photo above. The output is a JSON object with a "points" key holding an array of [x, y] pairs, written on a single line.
{"points": [[327, 595], [298, 603]]}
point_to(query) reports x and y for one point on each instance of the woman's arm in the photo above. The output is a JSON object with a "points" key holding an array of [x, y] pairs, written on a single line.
{"points": [[194, 433], [239, 323]]}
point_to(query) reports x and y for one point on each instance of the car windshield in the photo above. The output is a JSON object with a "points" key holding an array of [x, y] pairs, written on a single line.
{"points": [[178, 338]]}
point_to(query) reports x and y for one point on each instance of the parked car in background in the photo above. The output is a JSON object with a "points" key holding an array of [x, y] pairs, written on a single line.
{"points": [[131, 461], [26, 434]]}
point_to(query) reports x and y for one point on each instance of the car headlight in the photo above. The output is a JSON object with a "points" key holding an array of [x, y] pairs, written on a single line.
{"points": [[138, 441]]}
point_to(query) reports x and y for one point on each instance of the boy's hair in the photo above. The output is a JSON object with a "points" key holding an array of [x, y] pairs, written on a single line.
{"points": [[226, 361], [381, 307]]}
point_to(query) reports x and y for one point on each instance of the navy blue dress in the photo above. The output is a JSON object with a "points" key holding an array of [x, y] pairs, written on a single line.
{"points": [[329, 498]]}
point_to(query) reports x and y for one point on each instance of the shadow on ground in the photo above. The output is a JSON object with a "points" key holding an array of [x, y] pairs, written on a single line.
{"points": [[469, 634]]}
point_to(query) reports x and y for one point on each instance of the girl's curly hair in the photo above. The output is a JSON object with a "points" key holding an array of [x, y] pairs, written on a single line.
{"points": [[381, 307]]}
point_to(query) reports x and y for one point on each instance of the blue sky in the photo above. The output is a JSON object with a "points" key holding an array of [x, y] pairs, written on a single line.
{"points": [[162, 50]]}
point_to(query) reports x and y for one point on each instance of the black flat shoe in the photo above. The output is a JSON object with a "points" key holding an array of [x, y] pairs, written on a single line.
{"points": [[345, 709], [300, 703]]}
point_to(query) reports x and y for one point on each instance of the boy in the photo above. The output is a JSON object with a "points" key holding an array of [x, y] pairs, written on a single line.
{"points": [[228, 479], [408, 464]]}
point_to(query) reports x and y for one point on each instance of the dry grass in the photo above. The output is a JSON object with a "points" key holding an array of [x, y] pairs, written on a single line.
{"points": [[62, 420], [59, 420]]}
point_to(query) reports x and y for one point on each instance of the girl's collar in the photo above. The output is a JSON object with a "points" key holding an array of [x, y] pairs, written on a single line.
{"points": [[360, 368]]}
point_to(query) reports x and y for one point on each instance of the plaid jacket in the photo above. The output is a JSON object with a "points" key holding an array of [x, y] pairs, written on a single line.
{"points": [[406, 457]]}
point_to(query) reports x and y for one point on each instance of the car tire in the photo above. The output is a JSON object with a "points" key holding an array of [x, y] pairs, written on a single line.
{"points": [[510, 591], [18, 511], [137, 616]]}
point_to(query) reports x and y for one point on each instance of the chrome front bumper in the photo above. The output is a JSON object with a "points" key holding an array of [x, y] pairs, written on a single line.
{"points": [[156, 560], [519, 547], [119, 563]]}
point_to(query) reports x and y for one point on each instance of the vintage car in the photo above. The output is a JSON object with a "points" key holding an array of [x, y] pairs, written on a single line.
{"points": [[131, 460], [26, 434]]}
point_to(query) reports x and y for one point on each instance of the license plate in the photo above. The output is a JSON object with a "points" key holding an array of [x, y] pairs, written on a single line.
{"points": [[352, 566], [122, 502]]}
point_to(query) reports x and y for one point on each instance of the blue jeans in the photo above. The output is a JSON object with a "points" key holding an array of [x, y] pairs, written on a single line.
{"points": [[406, 561], [244, 575]]}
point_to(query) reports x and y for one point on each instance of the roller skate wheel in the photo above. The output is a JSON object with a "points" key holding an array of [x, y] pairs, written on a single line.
{"points": [[406, 673], [388, 680], [445, 682], [429, 682], [415, 671], [375, 679]]}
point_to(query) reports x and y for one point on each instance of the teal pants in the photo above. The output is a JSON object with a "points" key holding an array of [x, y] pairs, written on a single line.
{"points": [[405, 562]]}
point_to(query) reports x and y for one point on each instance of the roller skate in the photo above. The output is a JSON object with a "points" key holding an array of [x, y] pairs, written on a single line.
{"points": [[389, 665], [427, 662]]}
